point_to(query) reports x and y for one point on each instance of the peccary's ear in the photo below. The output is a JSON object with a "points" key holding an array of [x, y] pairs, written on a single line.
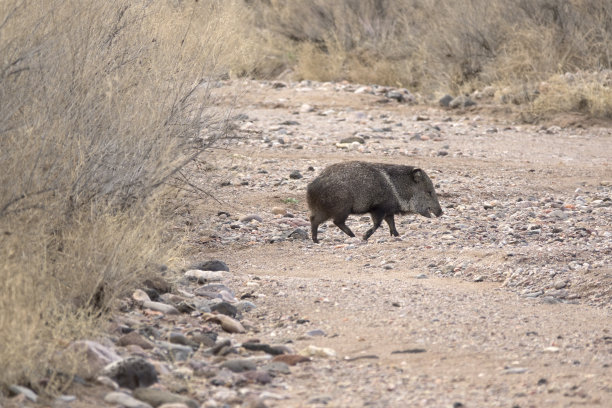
{"points": [[417, 175]]}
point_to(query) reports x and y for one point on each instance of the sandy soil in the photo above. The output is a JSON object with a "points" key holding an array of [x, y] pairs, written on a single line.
{"points": [[446, 315]]}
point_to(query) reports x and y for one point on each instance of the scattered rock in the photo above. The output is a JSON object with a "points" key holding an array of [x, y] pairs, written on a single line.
{"points": [[140, 296], [515, 370], [131, 372], [208, 339], [314, 351], [239, 365], [124, 400], [266, 348], [295, 175], [445, 101], [158, 284], [204, 276], [97, 357], [251, 217], [398, 96], [277, 367], [316, 332], [258, 376], [306, 108], [279, 211], [160, 307], [156, 397], [134, 338], [225, 308], [227, 323], [409, 351], [26, 392], [291, 359], [298, 233], [213, 265], [461, 101], [353, 139]]}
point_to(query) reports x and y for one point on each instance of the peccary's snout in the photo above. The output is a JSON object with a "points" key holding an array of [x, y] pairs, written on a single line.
{"points": [[438, 212]]}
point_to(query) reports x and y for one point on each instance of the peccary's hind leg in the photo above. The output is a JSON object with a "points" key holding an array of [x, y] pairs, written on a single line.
{"points": [[391, 222], [340, 223], [377, 217], [314, 227]]}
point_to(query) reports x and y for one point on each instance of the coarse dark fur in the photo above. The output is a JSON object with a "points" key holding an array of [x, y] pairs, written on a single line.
{"points": [[382, 190]]}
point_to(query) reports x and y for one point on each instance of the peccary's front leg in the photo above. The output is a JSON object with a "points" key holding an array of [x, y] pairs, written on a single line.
{"points": [[377, 217], [391, 222]]}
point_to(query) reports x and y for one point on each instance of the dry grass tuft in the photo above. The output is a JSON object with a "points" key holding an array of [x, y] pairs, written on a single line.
{"points": [[103, 103], [428, 46], [585, 93]]}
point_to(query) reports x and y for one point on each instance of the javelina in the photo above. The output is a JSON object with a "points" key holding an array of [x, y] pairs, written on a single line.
{"points": [[382, 190]]}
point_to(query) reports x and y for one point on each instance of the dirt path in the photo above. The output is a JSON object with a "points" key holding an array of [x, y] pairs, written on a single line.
{"points": [[504, 301]]}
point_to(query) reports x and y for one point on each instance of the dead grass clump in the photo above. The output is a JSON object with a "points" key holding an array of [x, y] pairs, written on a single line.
{"points": [[103, 103], [432, 45], [586, 93]]}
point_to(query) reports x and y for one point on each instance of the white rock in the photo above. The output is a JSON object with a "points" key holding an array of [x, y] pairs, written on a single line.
{"points": [[270, 395], [125, 400], [26, 392], [204, 276], [140, 295], [314, 351], [160, 307], [306, 108]]}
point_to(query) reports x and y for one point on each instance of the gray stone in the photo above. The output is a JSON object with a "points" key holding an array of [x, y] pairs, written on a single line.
{"points": [[239, 365], [26, 392], [204, 276], [258, 376], [461, 101], [445, 100], [245, 306], [136, 339], [160, 307], [277, 367], [353, 139], [157, 397], [227, 378], [316, 332], [298, 233], [295, 175], [208, 339], [131, 372], [398, 96], [213, 265], [225, 308], [251, 217], [125, 400], [266, 348]]}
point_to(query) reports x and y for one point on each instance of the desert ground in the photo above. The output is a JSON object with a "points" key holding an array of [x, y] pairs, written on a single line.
{"points": [[503, 301]]}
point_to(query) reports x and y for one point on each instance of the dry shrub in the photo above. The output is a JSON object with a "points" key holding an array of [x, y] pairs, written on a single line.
{"points": [[432, 45], [102, 104], [586, 93]]}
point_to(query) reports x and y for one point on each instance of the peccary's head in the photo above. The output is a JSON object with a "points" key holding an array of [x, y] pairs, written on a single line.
{"points": [[423, 197]]}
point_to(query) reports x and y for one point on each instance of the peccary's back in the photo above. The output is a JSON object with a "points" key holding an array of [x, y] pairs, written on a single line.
{"points": [[353, 187]]}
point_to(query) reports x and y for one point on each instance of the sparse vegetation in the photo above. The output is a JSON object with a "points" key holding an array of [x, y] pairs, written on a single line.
{"points": [[433, 46], [101, 107], [102, 103]]}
